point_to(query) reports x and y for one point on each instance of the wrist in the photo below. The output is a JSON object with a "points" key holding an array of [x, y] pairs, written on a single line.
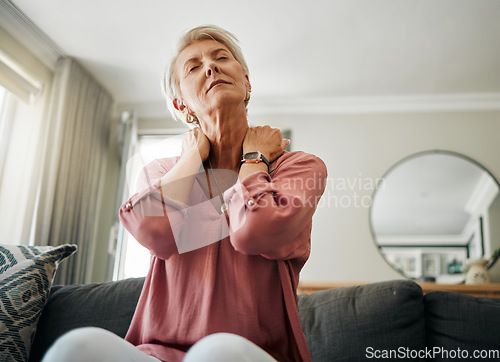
{"points": [[247, 169]]}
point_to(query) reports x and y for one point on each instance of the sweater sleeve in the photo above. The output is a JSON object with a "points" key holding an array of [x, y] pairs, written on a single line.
{"points": [[147, 215], [271, 214]]}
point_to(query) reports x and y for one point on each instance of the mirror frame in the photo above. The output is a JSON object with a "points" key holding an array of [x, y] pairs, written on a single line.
{"points": [[406, 159]]}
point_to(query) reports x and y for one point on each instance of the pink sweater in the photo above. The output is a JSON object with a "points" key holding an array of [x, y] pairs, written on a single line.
{"points": [[246, 282]]}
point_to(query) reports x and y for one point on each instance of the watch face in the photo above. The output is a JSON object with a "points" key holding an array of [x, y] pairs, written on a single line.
{"points": [[252, 156]]}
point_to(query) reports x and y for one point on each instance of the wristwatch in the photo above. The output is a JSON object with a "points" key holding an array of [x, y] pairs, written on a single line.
{"points": [[255, 157]]}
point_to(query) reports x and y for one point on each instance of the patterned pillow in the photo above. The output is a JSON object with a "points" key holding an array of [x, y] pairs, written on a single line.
{"points": [[26, 274]]}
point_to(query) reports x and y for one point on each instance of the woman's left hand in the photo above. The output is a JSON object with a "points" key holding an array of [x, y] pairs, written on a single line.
{"points": [[265, 139]]}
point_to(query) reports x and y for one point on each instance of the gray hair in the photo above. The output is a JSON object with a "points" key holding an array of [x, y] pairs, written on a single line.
{"points": [[204, 32]]}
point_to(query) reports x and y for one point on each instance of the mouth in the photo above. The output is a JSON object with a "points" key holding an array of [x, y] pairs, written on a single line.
{"points": [[216, 82]]}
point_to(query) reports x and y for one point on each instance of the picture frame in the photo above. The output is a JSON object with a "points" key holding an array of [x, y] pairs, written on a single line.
{"points": [[404, 261], [431, 265]]}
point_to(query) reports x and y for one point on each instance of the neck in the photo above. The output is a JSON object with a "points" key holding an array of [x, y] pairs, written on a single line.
{"points": [[226, 132]]}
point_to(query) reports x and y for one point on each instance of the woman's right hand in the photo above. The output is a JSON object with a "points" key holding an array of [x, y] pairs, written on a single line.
{"points": [[177, 183], [195, 139]]}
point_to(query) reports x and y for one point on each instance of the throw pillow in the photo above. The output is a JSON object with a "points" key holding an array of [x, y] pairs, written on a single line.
{"points": [[26, 274]]}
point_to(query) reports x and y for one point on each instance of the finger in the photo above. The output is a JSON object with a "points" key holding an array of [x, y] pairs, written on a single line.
{"points": [[284, 143]]}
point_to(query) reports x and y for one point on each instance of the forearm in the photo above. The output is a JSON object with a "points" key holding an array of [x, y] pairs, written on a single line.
{"points": [[178, 182], [267, 213], [148, 214], [270, 221], [148, 223], [249, 168], [167, 227]]}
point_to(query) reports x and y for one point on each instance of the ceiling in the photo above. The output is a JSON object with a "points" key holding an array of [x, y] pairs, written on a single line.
{"points": [[312, 51]]}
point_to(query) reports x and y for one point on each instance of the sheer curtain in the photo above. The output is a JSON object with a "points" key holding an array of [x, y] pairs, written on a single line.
{"points": [[73, 171]]}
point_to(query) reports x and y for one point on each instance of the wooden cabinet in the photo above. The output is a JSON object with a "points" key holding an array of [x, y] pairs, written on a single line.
{"points": [[310, 287], [477, 290]]}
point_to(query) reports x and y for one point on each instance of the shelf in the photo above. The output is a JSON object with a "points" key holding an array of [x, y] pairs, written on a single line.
{"points": [[477, 290]]}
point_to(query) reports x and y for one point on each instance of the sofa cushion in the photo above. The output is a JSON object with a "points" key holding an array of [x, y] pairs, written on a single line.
{"points": [[26, 274], [353, 323], [455, 320], [109, 305]]}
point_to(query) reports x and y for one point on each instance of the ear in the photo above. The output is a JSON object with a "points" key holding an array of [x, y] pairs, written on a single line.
{"points": [[247, 84], [179, 105]]}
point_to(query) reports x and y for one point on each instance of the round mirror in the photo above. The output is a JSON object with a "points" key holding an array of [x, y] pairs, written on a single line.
{"points": [[432, 212]]}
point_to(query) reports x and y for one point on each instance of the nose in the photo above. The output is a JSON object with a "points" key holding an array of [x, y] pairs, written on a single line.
{"points": [[211, 69]]}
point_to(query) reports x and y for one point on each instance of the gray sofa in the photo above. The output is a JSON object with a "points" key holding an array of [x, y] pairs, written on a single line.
{"points": [[390, 320]]}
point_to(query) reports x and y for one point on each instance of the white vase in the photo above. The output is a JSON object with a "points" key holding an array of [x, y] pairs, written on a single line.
{"points": [[477, 273]]}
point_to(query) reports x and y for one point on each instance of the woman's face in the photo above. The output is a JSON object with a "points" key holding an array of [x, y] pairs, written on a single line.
{"points": [[210, 78]]}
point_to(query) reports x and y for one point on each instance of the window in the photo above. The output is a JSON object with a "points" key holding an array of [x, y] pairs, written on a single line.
{"points": [[136, 258], [5, 124], [24, 93], [20, 156]]}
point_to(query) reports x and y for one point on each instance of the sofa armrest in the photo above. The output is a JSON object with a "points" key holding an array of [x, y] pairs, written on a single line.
{"points": [[345, 324], [456, 321]]}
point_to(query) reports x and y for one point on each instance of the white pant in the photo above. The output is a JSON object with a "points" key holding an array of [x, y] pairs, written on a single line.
{"points": [[96, 344]]}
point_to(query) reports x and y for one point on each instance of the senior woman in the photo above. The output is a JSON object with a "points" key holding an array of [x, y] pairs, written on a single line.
{"points": [[228, 225]]}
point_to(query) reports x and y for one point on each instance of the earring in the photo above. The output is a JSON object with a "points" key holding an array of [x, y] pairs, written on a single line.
{"points": [[191, 118], [247, 97]]}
